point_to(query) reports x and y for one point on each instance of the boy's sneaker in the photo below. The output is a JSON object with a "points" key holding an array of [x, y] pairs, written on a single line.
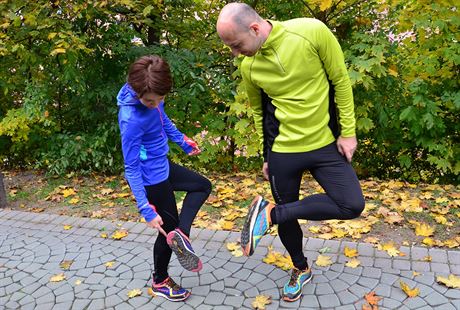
{"points": [[256, 224], [170, 290], [293, 289], [181, 246]]}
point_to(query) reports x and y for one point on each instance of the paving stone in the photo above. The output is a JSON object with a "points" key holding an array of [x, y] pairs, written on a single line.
{"points": [[328, 301], [435, 299], [346, 297], [215, 298], [440, 267]]}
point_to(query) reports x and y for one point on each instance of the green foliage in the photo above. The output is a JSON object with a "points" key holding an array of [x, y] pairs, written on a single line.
{"points": [[63, 62]]}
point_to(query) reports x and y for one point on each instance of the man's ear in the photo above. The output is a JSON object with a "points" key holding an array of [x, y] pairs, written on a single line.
{"points": [[255, 27]]}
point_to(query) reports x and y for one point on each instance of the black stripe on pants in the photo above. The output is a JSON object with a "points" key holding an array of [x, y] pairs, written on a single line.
{"points": [[162, 197], [343, 198]]}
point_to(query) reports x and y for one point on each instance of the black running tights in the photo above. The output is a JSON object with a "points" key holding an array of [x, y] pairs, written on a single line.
{"points": [[343, 198], [162, 197]]}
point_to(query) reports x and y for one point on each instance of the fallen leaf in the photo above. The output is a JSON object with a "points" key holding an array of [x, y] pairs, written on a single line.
{"points": [[65, 264], [261, 301], [67, 227], [74, 201], [353, 263], [237, 253], [68, 192], [109, 264], [150, 292], [372, 299], [119, 234], [323, 261], [452, 281], [415, 273], [78, 282], [232, 246], [350, 252], [409, 292], [58, 277], [135, 292], [104, 235], [427, 258]]}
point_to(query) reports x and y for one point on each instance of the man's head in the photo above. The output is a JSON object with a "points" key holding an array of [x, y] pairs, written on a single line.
{"points": [[150, 77], [242, 29]]}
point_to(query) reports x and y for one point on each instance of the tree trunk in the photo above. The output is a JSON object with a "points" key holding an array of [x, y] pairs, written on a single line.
{"points": [[2, 192]]}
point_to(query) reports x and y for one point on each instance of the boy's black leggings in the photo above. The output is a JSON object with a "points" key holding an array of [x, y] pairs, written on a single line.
{"points": [[343, 198], [162, 197]]}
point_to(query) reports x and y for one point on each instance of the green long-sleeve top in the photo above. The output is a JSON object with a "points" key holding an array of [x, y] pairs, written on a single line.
{"points": [[293, 67]]}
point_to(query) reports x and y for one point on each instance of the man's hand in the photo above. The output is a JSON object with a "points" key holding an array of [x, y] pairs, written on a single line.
{"points": [[156, 224], [347, 146], [265, 170]]}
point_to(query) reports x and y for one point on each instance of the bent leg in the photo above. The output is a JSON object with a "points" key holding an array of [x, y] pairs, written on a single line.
{"points": [[343, 198], [198, 189]]}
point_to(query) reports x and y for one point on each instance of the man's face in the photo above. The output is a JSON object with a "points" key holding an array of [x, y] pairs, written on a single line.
{"points": [[246, 43], [151, 100]]}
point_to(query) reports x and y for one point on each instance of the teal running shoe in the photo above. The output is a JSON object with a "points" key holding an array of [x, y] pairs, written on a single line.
{"points": [[256, 224], [293, 289]]}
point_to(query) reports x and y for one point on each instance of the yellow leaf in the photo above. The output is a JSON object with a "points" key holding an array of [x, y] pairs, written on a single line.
{"points": [[78, 282], [325, 4], [277, 259], [65, 264], [323, 261], [68, 192], [74, 201], [58, 277], [51, 35], [135, 292], [106, 191], [104, 235], [452, 281], [123, 195], [350, 252], [119, 234], [427, 258], [67, 227], [237, 253], [423, 229], [353, 263], [451, 243], [415, 273], [232, 246], [57, 51], [109, 264], [373, 240], [390, 248], [261, 301], [428, 241], [150, 292], [409, 292]]}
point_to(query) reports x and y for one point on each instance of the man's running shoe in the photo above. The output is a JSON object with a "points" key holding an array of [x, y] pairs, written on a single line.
{"points": [[256, 224], [170, 290], [181, 246], [293, 289]]}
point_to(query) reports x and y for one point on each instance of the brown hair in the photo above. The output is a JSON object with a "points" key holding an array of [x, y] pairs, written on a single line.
{"points": [[150, 74]]}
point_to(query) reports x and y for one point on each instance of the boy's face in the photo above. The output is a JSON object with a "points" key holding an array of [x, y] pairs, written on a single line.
{"points": [[151, 100]]}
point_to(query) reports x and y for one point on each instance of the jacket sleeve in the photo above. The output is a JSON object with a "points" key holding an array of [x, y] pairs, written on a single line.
{"points": [[131, 138], [173, 133], [331, 55], [254, 94]]}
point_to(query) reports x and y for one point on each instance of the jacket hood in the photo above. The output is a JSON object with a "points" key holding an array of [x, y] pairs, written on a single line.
{"points": [[127, 96]]}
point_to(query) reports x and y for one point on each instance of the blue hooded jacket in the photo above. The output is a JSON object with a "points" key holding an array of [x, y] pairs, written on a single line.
{"points": [[144, 140]]}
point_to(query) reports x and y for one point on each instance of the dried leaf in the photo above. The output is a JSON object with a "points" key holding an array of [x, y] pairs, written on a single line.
{"points": [[58, 277], [452, 281], [65, 264], [353, 263], [119, 234], [323, 261], [77, 282], [261, 301], [372, 299], [67, 227], [409, 292], [350, 252], [232, 246], [109, 264], [135, 292]]}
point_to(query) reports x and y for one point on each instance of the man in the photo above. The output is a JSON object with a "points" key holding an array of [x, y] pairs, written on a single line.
{"points": [[295, 77]]}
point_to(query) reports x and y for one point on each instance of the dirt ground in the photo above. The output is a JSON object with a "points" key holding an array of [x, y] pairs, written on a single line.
{"points": [[109, 198]]}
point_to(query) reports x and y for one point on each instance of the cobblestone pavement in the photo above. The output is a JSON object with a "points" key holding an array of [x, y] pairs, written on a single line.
{"points": [[33, 245]]}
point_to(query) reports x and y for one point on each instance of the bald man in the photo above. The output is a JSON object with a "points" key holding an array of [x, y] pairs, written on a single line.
{"points": [[296, 79]]}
